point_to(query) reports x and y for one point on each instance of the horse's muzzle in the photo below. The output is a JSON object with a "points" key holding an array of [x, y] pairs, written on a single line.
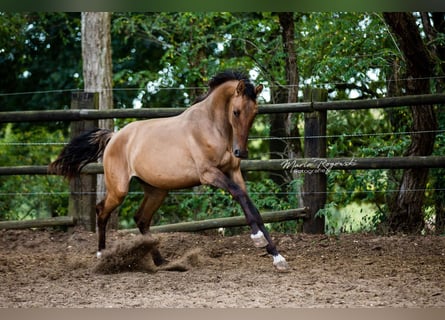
{"points": [[241, 154]]}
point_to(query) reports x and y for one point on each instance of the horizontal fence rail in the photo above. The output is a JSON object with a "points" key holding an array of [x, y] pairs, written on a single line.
{"points": [[67, 221], [228, 222], [193, 226], [91, 114], [306, 165]]}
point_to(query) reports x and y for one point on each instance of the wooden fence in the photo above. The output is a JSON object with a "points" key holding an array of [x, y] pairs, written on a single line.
{"points": [[315, 166]]}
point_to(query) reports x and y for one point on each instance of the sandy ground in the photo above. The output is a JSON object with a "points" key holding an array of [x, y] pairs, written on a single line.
{"points": [[59, 269]]}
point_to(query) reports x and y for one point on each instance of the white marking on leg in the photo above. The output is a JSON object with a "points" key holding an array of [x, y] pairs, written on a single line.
{"points": [[280, 263], [259, 240], [257, 235], [278, 258], [98, 254]]}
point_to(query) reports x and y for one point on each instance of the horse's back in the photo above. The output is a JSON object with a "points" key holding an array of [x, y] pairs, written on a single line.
{"points": [[171, 153], [154, 150]]}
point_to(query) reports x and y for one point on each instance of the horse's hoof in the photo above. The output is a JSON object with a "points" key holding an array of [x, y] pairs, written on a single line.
{"points": [[259, 240], [280, 263]]}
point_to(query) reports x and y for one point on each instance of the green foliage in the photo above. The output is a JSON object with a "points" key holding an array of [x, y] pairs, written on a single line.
{"points": [[171, 50], [27, 196], [345, 51], [356, 217], [205, 202], [39, 51], [367, 135]]}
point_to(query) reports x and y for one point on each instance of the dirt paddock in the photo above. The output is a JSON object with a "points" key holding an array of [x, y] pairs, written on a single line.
{"points": [[59, 269]]}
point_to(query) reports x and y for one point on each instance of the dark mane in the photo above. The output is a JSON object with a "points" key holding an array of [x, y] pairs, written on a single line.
{"points": [[225, 76]]}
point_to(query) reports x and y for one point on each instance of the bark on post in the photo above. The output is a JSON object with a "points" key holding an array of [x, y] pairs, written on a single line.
{"points": [[96, 58], [281, 124], [97, 73], [315, 184], [82, 199]]}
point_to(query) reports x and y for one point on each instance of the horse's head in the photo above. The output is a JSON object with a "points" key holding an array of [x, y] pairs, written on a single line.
{"points": [[242, 112]]}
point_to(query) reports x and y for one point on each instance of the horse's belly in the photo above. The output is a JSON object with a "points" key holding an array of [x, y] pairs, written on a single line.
{"points": [[168, 176]]}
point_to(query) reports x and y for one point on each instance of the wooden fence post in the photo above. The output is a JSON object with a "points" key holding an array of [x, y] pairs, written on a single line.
{"points": [[314, 186], [82, 200]]}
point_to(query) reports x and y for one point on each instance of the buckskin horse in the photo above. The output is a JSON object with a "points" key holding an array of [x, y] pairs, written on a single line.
{"points": [[202, 145]]}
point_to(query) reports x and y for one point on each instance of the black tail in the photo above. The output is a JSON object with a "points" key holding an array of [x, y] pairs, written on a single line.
{"points": [[86, 148]]}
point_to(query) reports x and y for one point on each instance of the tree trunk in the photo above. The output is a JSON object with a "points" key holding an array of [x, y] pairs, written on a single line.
{"points": [[97, 72], [439, 184], [438, 29], [281, 124], [96, 56], [406, 211], [292, 77]]}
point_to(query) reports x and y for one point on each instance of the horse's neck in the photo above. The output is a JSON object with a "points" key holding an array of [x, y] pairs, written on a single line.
{"points": [[218, 105]]}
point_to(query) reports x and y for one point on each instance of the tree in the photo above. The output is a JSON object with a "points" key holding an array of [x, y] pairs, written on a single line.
{"points": [[343, 52], [96, 58], [434, 26], [97, 71], [40, 56], [40, 61], [284, 125], [407, 208]]}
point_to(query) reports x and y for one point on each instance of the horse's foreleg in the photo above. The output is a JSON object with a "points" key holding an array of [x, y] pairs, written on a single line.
{"points": [[260, 235], [153, 199]]}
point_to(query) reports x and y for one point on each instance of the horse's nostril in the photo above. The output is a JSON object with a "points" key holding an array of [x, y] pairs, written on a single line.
{"points": [[240, 154]]}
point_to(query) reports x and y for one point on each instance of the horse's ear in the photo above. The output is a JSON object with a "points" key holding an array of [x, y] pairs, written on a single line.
{"points": [[241, 87], [258, 89]]}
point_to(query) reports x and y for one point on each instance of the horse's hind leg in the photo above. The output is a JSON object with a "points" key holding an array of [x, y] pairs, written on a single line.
{"points": [[153, 199], [112, 200]]}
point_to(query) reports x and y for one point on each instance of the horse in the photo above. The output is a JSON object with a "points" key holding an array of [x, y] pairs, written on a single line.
{"points": [[202, 145]]}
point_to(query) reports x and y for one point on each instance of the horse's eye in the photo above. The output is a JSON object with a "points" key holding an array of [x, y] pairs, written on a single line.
{"points": [[236, 113]]}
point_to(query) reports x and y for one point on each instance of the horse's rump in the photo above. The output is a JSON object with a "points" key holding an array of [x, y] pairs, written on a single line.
{"points": [[157, 151]]}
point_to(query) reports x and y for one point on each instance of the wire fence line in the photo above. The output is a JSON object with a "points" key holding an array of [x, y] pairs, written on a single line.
{"points": [[33, 143], [267, 138], [187, 88], [185, 193]]}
